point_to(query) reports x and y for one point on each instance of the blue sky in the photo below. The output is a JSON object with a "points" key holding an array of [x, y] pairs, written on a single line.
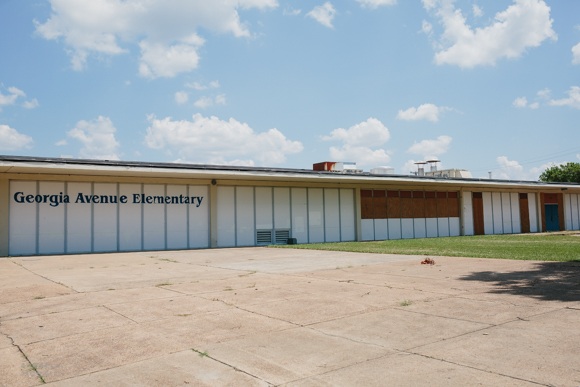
{"points": [[481, 85]]}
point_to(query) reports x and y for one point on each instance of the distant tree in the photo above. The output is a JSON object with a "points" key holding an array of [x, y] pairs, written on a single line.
{"points": [[565, 173]]}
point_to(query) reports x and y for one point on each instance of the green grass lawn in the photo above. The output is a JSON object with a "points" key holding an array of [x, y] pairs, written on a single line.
{"points": [[541, 247]]}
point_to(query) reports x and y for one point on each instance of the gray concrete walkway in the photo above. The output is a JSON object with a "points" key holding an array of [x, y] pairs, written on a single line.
{"points": [[264, 316]]}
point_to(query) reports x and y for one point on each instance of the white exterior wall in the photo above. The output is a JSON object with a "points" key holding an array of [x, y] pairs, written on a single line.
{"points": [[347, 215], [105, 219], [331, 215], [368, 229], [299, 204], [226, 217], [82, 226], [467, 211], [572, 211], [315, 215], [245, 220]]}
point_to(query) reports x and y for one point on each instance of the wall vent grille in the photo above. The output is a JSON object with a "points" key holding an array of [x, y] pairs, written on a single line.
{"points": [[282, 236], [264, 237]]}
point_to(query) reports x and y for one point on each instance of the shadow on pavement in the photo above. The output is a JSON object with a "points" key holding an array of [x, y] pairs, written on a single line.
{"points": [[550, 281]]}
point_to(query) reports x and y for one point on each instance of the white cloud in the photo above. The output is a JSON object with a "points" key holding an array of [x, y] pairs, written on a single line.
{"points": [[181, 97], [572, 101], [427, 28], [368, 133], [200, 86], [13, 95], [97, 138], [374, 4], [362, 156], [576, 54], [513, 170], [160, 60], [544, 93], [205, 102], [428, 111], [361, 143], [324, 14], [215, 141], [11, 139], [522, 102], [292, 12], [32, 104], [429, 149], [165, 30], [477, 10], [524, 24]]}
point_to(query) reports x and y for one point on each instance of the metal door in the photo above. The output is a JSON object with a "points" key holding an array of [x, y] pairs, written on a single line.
{"points": [[552, 220]]}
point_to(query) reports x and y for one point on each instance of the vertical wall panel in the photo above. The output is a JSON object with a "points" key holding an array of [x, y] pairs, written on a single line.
{"points": [[154, 218], [316, 214], [443, 227], [467, 218], [407, 231], [299, 215], [506, 213], [347, 215], [420, 227], [199, 217], [487, 213], [79, 219], [454, 227], [23, 220], [395, 231], [281, 208], [575, 209], [246, 233], [130, 219], [105, 219], [497, 213], [432, 231], [567, 212], [533, 210], [381, 229], [176, 214], [264, 220], [226, 214], [331, 215], [368, 229], [516, 219], [51, 221]]}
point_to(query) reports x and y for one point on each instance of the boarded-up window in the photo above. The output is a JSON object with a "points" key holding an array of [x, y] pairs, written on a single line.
{"points": [[453, 203], [380, 204], [418, 204], [406, 204], [442, 207], [430, 204], [393, 204], [366, 203]]}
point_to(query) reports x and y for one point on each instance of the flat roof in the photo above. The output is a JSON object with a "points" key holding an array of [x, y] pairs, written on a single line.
{"points": [[72, 166]]}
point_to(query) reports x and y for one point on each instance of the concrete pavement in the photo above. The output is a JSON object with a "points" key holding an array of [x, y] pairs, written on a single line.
{"points": [[266, 316]]}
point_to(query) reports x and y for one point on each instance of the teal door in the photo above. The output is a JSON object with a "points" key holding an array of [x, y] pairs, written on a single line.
{"points": [[552, 220]]}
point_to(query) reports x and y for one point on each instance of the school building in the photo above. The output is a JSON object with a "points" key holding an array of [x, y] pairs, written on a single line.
{"points": [[71, 206]]}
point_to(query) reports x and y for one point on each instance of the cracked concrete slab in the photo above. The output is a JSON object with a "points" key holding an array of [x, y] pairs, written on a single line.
{"points": [[547, 349], [256, 316], [289, 355]]}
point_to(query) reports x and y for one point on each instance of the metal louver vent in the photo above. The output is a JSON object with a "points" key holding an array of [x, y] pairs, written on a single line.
{"points": [[263, 237], [282, 236]]}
